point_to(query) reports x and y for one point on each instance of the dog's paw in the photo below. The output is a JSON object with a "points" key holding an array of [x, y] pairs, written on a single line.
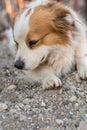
{"points": [[51, 82], [83, 74], [82, 71]]}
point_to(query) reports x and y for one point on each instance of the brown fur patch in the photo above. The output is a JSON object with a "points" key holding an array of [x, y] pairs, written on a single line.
{"points": [[49, 26]]}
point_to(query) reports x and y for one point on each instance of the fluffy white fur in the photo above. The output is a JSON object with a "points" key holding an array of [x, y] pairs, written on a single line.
{"points": [[60, 59]]}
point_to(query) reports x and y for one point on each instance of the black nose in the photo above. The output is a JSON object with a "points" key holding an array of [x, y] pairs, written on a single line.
{"points": [[19, 64]]}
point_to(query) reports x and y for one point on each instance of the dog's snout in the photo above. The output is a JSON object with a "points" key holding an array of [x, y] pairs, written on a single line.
{"points": [[19, 64]]}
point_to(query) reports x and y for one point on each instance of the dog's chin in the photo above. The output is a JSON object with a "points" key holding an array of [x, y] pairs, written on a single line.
{"points": [[30, 68], [27, 68]]}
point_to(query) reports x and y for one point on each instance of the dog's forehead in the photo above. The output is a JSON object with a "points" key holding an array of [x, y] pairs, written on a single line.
{"points": [[21, 26]]}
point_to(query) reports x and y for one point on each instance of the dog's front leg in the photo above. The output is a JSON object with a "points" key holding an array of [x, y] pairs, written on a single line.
{"points": [[45, 75], [81, 59], [82, 67]]}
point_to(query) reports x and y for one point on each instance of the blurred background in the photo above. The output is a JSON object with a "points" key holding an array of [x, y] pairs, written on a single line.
{"points": [[8, 8]]}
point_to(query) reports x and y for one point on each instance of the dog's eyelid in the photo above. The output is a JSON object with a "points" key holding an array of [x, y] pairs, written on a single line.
{"points": [[32, 42]]}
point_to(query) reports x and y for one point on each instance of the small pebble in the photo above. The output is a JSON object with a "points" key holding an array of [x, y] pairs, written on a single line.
{"points": [[62, 113], [17, 107], [73, 99], [21, 105], [13, 111], [85, 91], [27, 107], [43, 104], [59, 122], [81, 110], [3, 106], [22, 118], [76, 105], [11, 87], [26, 101]]}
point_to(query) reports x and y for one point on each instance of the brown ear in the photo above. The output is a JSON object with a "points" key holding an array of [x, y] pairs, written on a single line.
{"points": [[63, 20]]}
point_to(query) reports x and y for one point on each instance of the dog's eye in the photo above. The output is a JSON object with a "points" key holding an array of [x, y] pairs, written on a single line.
{"points": [[32, 42]]}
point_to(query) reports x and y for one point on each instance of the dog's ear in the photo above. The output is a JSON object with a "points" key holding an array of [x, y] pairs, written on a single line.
{"points": [[63, 20]]}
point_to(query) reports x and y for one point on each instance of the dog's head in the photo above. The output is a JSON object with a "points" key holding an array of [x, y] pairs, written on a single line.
{"points": [[37, 29]]}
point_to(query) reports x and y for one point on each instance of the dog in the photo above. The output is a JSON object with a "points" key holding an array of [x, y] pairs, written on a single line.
{"points": [[48, 39]]}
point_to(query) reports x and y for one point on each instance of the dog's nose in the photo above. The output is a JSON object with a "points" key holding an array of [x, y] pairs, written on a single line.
{"points": [[19, 64]]}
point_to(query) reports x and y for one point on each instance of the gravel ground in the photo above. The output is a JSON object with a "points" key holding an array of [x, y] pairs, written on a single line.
{"points": [[25, 106]]}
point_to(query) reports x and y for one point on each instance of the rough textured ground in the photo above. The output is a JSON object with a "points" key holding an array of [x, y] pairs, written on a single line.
{"points": [[25, 106]]}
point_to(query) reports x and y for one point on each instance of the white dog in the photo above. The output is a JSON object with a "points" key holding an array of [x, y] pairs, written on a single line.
{"points": [[49, 39]]}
